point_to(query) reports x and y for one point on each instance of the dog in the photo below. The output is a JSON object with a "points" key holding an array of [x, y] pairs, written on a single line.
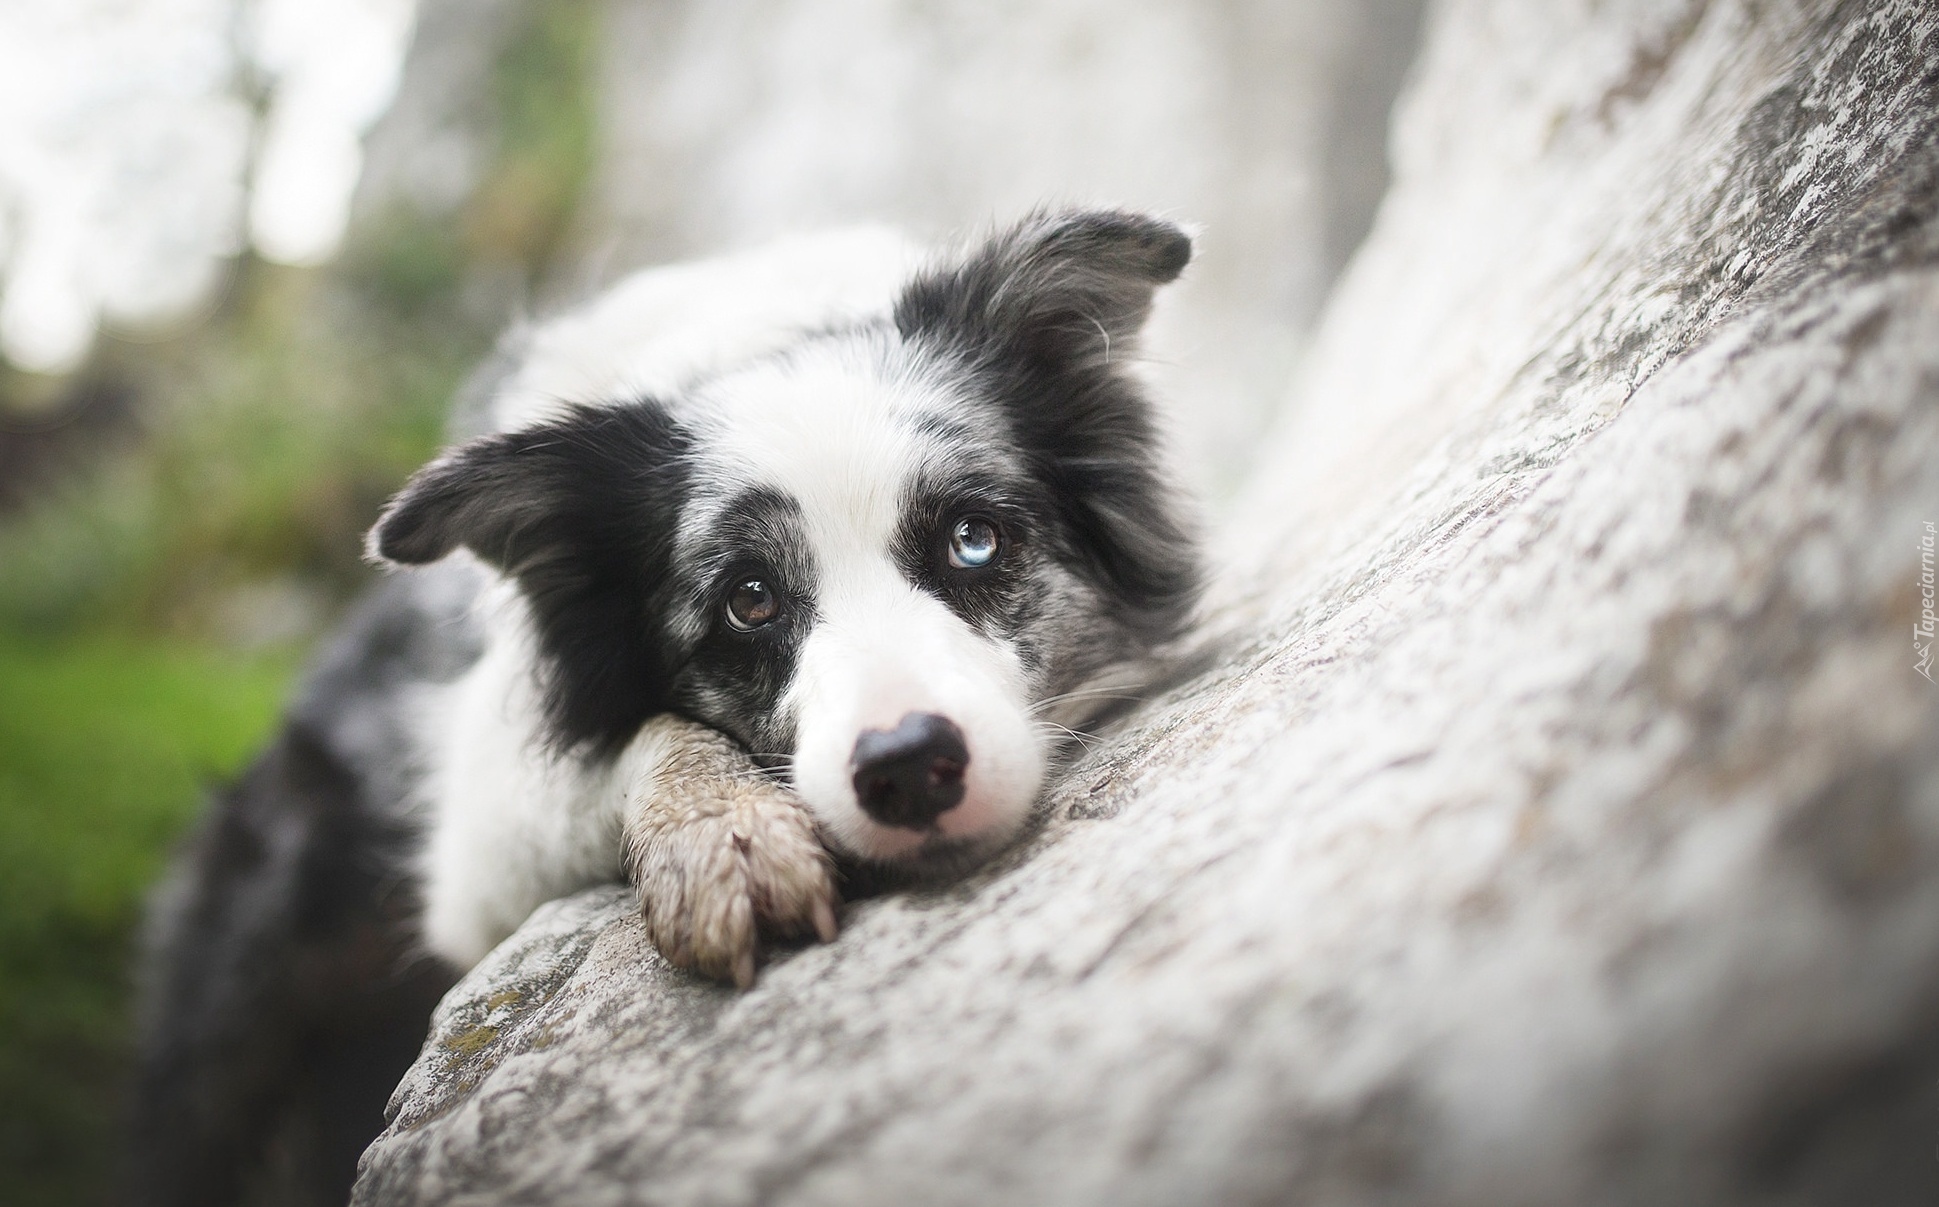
{"points": [[754, 574]]}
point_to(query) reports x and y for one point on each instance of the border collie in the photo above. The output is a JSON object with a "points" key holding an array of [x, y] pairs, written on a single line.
{"points": [[766, 569]]}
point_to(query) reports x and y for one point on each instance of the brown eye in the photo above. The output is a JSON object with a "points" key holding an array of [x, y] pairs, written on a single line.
{"points": [[752, 604], [973, 544]]}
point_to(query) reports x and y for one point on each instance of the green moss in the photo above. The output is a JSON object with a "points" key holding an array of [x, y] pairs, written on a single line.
{"points": [[469, 1043]]}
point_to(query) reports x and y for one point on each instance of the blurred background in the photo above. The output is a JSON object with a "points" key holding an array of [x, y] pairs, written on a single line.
{"points": [[250, 248]]}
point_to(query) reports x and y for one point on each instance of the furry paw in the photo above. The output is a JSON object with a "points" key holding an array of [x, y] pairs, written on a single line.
{"points": [[722, 855]]}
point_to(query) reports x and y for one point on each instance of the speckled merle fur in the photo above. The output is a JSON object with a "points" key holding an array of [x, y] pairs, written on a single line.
{"points": [[1055, 439]]}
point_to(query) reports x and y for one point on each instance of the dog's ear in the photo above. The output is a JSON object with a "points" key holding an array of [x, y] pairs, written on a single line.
{"points": [[520, 499], [580, 513], [1070, 285], [482, 495]]}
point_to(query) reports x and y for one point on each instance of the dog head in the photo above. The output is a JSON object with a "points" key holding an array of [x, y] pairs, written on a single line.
{"points": [[881, 557]]}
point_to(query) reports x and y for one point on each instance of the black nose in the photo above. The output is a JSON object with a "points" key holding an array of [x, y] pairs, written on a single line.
{"points": [[910, 775]]}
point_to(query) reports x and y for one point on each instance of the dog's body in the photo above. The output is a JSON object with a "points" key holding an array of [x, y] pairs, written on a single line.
{"points": [[810, 552]]}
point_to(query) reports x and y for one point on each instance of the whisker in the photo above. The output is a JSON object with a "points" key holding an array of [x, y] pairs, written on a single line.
{"points": [[1066, 732], [1095, 693]]}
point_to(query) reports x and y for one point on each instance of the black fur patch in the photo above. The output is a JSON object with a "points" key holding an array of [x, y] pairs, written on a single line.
{"points": [[581, 512], [734, 680], [1042, 317], [995, 599], [279, 1003]]}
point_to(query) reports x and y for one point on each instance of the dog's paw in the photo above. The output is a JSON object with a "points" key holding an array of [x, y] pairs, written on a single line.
{"points": [[722, 856]]}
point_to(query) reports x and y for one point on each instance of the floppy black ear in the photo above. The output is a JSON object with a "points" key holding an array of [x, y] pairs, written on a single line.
{"points": [[580, 513], [1068, 284]]}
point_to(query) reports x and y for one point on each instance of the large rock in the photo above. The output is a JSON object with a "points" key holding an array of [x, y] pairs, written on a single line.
{"points": [[1559, 820]]}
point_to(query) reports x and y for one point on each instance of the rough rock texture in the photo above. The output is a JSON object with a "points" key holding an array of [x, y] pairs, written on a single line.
{"points": [[1559, 822]]}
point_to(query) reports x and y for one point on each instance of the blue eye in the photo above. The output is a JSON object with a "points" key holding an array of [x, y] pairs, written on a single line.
{"points": [[974, 543]]}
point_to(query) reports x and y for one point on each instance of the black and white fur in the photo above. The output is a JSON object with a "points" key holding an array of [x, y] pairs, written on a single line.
{"points": [[942, 477]]}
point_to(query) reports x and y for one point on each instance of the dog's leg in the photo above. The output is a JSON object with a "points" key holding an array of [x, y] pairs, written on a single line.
{"points": [[719, 853], [279, 1004]]}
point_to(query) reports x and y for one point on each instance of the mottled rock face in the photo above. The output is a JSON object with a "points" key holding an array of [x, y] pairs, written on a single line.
{"points": [[1559, 822]]}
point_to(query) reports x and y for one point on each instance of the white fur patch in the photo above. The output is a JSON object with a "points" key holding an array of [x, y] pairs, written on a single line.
{"points": [[511, 825], [661, 328], [831, 428]]}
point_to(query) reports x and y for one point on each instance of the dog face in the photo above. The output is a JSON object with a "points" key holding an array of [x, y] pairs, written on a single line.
{"points": [[879, 558]]}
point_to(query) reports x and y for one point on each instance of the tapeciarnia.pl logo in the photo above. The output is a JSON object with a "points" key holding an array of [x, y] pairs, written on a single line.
{"points": [[1923, 630]]}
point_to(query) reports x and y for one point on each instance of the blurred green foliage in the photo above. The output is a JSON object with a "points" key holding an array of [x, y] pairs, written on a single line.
{"points": [[265, 443], [547, 139], [157, 593], [105, 746]]}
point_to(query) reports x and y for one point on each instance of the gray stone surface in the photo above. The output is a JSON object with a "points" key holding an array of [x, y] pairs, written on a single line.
{"points": [[1559, 822], [436, 140]]}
